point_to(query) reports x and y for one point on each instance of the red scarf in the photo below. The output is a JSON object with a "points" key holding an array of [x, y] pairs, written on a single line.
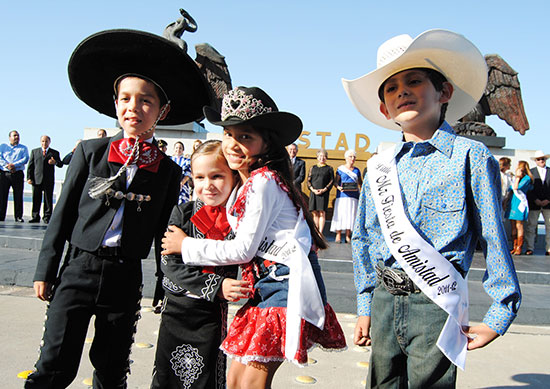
{"points": [[149, 154], [212, 222]]}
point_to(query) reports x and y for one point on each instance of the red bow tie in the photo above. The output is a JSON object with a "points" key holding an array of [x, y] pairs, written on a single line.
{"points": [[212, 222], [149, 154]]}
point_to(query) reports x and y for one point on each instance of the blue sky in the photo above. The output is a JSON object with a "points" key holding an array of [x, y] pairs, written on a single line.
{"points": [[297, 51]]}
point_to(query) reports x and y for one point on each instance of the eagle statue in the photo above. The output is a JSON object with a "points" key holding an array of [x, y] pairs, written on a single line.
{"points": [[211, 63], [502, 97]]}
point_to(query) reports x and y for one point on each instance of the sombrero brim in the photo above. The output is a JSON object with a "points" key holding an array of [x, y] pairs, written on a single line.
{"points": [[449, 53], [286, 125], [103, 57]]}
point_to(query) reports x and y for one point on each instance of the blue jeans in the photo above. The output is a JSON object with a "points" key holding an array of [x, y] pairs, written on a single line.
{"points": [[404, 332], [273, 292]]}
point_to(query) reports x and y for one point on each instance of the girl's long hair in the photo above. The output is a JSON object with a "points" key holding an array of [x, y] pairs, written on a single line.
{"points": [[524, 166], [276, 159]]}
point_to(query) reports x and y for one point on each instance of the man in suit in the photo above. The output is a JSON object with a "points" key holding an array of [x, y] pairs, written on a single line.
{"points": [[13, 157], [298, 166], [116, 199], [539, 201], [41, 175]]}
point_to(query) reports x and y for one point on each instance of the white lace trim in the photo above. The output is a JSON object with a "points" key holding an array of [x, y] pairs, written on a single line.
{"points": [[260, 358]]}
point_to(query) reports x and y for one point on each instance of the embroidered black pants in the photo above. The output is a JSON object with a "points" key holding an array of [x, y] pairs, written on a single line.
{"points": [[110, 289]]}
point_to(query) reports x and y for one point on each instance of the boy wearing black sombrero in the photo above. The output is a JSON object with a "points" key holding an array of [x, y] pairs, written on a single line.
{"points": [[117, 197], [422, 209]]}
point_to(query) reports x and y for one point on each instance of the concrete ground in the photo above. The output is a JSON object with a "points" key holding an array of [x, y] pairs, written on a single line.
{"points": [[519, 359]]}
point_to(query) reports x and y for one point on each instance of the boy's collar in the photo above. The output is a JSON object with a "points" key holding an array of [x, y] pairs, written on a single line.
{"points": [[148, 140], [442, 140]]}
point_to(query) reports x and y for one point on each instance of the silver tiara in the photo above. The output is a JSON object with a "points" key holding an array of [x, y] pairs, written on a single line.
{"points": [[239, 104]]}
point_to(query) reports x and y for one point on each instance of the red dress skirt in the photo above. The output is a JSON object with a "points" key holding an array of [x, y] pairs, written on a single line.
{"points": [[258, 331]]}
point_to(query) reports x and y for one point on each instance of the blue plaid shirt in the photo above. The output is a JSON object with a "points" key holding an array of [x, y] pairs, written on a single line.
{"points": [[451, 193]]}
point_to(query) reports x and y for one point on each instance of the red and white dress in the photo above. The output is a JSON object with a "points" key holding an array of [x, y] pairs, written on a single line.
{"points": [[288, 314]]}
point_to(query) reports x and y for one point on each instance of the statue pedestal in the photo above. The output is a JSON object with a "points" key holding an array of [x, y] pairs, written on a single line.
{"points": [[493, 142]]}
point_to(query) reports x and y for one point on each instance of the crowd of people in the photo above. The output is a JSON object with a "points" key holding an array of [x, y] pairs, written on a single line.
{"points": [[237, 203], [40, 171], [321, 178], [525, 195]]}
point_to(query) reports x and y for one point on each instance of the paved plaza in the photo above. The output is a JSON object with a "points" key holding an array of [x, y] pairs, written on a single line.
{"points": [[519, 359]]}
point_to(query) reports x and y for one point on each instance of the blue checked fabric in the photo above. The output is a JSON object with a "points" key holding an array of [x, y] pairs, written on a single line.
{"points": [[451, 192]]}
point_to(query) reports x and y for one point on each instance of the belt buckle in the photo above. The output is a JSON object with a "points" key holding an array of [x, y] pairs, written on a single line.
{"points": [[107, 251], [393, 282]]}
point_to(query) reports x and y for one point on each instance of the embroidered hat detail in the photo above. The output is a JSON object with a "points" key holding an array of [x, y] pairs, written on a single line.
{"points": [[252, 106], [244, 106]]}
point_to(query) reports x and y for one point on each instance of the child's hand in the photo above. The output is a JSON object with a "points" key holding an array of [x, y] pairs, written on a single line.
{"points": [[480, 336], [43, 290], [171, 243], [361, 336], [234, 290]]}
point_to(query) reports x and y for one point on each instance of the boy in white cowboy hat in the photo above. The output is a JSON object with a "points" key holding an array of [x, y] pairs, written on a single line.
{"points": [[539, 201], [421, 211]]}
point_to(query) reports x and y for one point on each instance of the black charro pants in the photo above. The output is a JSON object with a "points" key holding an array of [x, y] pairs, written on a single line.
{"points": [[108, 288], [14, 180]]}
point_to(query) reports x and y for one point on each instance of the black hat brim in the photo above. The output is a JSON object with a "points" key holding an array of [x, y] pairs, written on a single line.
{"points": [[286, 125], [103, 57]]}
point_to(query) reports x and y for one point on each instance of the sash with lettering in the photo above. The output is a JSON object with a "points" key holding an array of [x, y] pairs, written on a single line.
{"points": [[304, 299], [425, 266], [523, 203], [344, 169]]}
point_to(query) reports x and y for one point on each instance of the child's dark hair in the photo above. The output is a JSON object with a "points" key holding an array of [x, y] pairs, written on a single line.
{"points": [[213, 147], [437, 79], [160, 93], [276, 159]]}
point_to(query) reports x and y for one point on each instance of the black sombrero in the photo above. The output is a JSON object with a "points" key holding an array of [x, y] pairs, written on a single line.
{"points": [[103, 57], [254, 107]]}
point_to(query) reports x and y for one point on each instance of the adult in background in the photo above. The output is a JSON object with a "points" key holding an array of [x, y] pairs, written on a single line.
{"points": [[519, 208], [298, 166], [67, 158], [539, 201], [101, 133], [196, 144], [162, 145], [41, 175], [185, 164], [506, 180], [13, 157], [348, 182], [319, 181]]}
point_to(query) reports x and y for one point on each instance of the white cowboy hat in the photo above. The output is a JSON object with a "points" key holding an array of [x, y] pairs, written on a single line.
{"points": [[449, 53], [540, 154]]}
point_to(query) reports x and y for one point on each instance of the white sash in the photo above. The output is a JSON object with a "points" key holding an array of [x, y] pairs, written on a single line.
{"points": [[304, 299], [351, 173], [523, 204], [424, 265]]}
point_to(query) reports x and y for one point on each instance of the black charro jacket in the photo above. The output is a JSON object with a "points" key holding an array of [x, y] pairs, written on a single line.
{"points": [[83, 221]]}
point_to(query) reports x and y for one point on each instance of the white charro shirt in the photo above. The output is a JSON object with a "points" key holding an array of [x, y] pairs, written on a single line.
{"points": [[114, 233]]}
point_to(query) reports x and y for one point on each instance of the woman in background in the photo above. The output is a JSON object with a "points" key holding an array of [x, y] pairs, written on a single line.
{"points": [[319, 182], [185, 164], [348, 183], [519, 209]]}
